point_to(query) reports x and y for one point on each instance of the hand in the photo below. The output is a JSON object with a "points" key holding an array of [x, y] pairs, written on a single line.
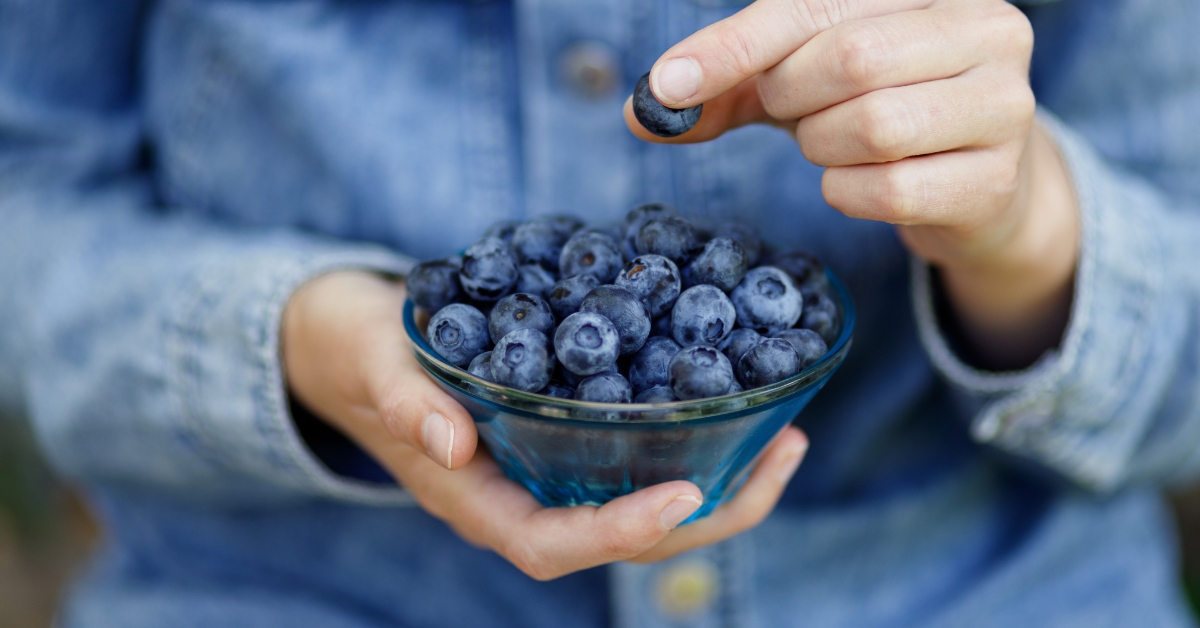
{"points": [[347, 358], [922, 113]]}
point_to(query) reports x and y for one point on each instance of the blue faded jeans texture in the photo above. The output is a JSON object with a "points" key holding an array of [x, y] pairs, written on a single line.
{"points": [[171, 170]]}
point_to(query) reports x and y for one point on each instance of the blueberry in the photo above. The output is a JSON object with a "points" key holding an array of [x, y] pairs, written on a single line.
{"points": [[571, 380], [671, 237], [658, 394], [654, 279], [820, 315], [766, 300], [489, 270], [522, 360], [734, 388], [637, 217], [534, 279], [593, 253], [703, 315], [738, 342], [648, 367], [627, 313], [604, 388], [770, 361], [519, 311], [699, 372], [434, 285], [503, 229], [743, 235], [661, 326], [567, 294], [539, 242], [587, 343], [806, 342], [481, 366], [722, 263], [562, 223], [458, 332], [658, 118], [807, 272], [554, 389]]}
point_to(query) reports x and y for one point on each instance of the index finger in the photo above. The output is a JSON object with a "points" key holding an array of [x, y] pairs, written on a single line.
{"points": [[722, 55]]}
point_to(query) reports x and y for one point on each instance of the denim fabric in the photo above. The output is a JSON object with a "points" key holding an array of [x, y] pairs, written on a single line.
{"points": [[171, 170]]}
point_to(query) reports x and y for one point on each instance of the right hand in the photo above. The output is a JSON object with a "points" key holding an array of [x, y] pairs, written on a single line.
{"points": [[346, 357]]}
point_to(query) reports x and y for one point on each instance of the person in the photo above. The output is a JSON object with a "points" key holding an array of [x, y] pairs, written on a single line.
{"points": [[207, 207]]}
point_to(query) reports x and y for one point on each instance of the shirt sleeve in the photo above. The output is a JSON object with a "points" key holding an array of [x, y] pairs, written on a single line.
{"points": [[141, 342]]}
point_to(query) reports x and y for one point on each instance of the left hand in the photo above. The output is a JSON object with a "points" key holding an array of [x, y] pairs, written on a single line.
{"points": [[922, 112]]}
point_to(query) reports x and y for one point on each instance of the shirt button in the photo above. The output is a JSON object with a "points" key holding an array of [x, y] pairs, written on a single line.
{"points": [[590, 69], [687, 588]]}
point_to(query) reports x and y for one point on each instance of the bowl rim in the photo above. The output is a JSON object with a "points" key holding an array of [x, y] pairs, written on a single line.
{"points": [[557, 409]]}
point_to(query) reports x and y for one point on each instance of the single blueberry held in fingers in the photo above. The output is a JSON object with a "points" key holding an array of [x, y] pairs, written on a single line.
{"points": [[554, 389], [658, 118], [458, 332], [503, 229], [481, 366], [807, 343], [820, 315], [703, 315], [699, 372], [722, 263], [534, 279], [434, 285], [671, 237], [587, 343], [738, 342], [766, 300], [637, 217], [592, 253], [519, 311], [522, 360], [627, 313], [770, 361], [657, 394], [489, 270], [567, 294], [648, 367], [604, 388], [654, 279], [743, 235]]}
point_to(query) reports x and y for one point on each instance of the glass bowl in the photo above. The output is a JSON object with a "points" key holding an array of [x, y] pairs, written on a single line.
{"points": [[569, 452]]}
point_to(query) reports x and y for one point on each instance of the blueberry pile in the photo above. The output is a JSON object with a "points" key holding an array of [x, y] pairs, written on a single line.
{"points": [[654, 310]]}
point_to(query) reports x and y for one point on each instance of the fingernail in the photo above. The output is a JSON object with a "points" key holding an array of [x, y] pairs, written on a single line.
{"points": [[792, 462], [676, 80], [437, 434], [679, 509]]}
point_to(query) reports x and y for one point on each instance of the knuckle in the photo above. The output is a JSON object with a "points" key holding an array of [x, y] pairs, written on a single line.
{"points": [[744, 53], [773, 96], [394, 405], [885, 129], [901, 197], [1011, 26], [860, 52], [819, 15], [529, 560]]}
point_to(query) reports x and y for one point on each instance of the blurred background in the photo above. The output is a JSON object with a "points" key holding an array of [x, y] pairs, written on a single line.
{"points": [[46, 533]]}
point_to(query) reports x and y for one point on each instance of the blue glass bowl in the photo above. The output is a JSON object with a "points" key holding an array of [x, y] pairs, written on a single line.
{"points": [[569, 452]]}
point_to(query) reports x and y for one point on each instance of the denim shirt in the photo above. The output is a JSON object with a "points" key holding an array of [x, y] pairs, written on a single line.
{"points": [[171, 171]]}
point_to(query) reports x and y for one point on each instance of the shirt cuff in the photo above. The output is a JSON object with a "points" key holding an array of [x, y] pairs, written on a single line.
{"points": [[1065, 410]]}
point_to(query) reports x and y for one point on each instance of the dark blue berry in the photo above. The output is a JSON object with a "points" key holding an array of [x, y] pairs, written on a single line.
{"points": [[722, 263], [522, 360], [648, 367], [699, 372], [458, 332], [627, 313], [434, 285], [587, 343], [734, 388], [562, 223], [658, 118], [489, 270], [503, 229], [567, 294], [604, 388], [520, 311], [592, 253], [657, 394], [538, 242], [637, 217], [557, 390], [738, 342], [766, 300], [703, 315], [820, 315], [571, 380], [534, 279], [767, 362], [806, 342], [671, 237], [807, 272], [481, 366], [654, 279], [744, 236]]}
